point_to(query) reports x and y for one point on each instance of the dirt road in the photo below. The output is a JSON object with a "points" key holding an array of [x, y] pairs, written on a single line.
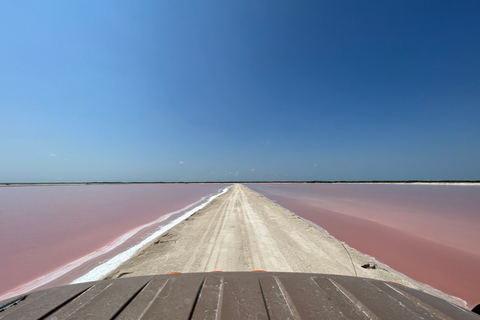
{"points": [[244, 231]]}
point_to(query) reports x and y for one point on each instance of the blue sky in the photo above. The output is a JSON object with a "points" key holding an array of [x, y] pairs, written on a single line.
{"points": [[239, 90]]}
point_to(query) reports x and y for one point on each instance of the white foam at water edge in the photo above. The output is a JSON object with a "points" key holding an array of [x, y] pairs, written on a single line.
{"points": [[101, 270], [114, 262]]}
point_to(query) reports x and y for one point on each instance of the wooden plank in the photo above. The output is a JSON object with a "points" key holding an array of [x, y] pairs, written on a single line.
{"points": [[210, 299], [317, 301], [243, 298], [108, 302], [441, 305], [343, 304], [41, 303], [77, 303], [278, 301], [176, 299], [421, 308], [380, 302], [142, 302], [234, 295]]}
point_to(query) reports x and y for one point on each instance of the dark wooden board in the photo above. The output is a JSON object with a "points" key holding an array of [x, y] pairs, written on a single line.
{"points": [[233, 295]]}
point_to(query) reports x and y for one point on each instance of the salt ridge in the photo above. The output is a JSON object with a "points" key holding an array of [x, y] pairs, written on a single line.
{"points": [[98, 272]]}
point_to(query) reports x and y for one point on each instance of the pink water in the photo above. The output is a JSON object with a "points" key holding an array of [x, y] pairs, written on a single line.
{"points": [[43, 228], [428, 232]]}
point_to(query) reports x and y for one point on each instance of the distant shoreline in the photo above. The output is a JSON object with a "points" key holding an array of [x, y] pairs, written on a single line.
{"points": [[412, 182]]}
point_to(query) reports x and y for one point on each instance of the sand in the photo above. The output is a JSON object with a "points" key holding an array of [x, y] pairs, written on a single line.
{"points": [[242, 230]]}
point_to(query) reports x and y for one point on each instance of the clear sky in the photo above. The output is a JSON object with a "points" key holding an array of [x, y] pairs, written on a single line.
{"points": [[239, 90]]}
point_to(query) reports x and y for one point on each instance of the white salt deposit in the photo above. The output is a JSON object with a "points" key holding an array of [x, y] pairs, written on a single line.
{"points": [[101, 270], [114, 262]]}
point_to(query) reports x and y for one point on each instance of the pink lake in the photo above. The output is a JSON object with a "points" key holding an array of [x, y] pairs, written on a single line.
{"points": [[428, 232], [44, 228]]}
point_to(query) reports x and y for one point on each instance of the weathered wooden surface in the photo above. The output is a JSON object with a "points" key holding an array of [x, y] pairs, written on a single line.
{"points": [[233, 295]]}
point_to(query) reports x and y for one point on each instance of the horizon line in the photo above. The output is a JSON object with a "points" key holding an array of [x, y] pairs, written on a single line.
{"points": [[237, 181]]}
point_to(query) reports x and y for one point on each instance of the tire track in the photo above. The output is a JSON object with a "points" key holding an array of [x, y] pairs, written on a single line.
{"points": [[242, 231], [204, 244]]}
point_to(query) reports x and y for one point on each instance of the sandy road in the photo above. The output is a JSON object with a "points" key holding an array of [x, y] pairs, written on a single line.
{"points": [[243, 231]]}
